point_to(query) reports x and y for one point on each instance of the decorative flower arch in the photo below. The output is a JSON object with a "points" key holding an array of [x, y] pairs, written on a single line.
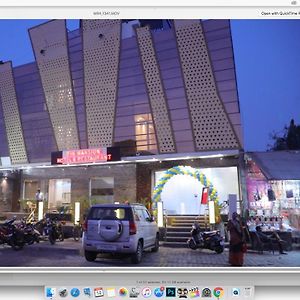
{"points": [[182, 170]]}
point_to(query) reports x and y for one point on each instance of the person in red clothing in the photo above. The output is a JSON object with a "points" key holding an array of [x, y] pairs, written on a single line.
{"points": [[237, 241]]}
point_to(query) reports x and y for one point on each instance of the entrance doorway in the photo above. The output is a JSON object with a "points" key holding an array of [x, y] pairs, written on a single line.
{"points": [[59, 193], [180, 188], [182, 195]]}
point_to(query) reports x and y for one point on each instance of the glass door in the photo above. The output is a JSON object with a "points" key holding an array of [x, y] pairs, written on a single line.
{"points": [[59, 193]]}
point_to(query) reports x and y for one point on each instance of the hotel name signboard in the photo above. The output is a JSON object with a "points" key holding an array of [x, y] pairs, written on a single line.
{"points": [[83, 156]]}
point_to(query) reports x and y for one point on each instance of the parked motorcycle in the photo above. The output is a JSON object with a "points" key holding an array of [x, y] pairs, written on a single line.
{"points": [[54, 231], [31, 234], [211, 240], [11, 235]]}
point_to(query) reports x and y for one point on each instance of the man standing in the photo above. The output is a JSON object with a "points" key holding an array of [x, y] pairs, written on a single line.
{"points": [[38, 197]]}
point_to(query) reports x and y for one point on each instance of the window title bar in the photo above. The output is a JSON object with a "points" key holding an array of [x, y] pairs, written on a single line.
{"points": [[153, 3], [149, 13]]}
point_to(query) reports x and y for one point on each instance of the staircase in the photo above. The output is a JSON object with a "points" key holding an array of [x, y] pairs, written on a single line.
{"points": [[178, 229]]}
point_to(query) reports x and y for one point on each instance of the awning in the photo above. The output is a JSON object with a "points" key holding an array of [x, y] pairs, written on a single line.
{"points": [[278, 165]]}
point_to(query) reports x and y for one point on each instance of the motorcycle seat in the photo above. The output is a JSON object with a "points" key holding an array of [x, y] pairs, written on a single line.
{"points": [[209, 233]]}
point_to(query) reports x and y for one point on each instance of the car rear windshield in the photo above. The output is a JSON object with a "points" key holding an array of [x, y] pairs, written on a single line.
{"points": [[110, 213]]}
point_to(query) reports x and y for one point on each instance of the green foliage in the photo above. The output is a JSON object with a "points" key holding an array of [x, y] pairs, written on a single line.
{"points": [[24, 207], [289, 140], [63, 209], [147, 202]]}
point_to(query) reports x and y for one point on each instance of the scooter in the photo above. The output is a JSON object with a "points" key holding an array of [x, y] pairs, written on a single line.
{"points": [[54, 231], [211, 240]]}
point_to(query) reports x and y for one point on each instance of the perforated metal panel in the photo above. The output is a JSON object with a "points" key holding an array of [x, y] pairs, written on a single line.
{"points": [[49, 42], [17, 150], [211, 125], [101, 48], [155, 89]]}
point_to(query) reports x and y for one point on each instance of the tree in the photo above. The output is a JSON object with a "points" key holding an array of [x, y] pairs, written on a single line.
{"points": [[290, 140]]}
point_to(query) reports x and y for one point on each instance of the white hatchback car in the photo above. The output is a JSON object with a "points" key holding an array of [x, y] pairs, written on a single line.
{"points": [[119, 228]]}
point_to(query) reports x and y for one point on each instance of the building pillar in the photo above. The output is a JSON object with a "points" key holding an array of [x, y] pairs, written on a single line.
{"points": [[243, 183]]}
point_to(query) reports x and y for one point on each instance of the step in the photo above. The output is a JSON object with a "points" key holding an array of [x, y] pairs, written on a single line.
{"points": [[183, 228], [182, 224], [179, 229], [181, 239], [186, 219], [178, 233], [174, 244], [185, 216]]}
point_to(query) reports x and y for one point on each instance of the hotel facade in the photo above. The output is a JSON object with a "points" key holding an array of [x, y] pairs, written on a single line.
{"points": [[122, 110]]}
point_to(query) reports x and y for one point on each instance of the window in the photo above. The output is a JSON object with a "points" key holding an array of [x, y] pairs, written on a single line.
{"points": [[102, 189], [30, 188], [145, 133], [139, 214], [109, 213], [147, 215]]}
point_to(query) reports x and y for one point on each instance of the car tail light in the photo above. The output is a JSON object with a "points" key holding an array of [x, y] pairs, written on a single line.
{"points": [[85, 225], [132, 228]]}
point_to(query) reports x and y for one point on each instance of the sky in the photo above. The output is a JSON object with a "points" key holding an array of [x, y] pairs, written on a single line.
{"points": [[267, 58]]}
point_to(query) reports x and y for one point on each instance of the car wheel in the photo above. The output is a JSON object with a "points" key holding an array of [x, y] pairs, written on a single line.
{"points": [[137, 256], [90, 255], [156, 245]]}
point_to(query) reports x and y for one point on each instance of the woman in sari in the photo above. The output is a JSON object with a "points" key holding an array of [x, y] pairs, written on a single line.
{"points": [[237, 241]]}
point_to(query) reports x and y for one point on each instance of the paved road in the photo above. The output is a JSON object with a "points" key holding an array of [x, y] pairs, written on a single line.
{"points": [[67, 254]]}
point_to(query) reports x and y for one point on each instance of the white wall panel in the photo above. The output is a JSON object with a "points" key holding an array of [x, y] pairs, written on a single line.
{"points": [[211, 125], [50, 46], [159, 108], [11, 115], [101, 47]]}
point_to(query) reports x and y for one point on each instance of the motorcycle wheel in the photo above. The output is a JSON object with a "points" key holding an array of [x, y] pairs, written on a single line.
{"points": [[31, 241], [61, 236], [17, 243], [17, 246], [76, 233], [219, 249], [37, 238], [192, 245], [52, 237]]}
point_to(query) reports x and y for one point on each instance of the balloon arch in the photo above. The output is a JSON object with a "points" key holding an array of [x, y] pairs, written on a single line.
{"points": [[182, 170]]}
